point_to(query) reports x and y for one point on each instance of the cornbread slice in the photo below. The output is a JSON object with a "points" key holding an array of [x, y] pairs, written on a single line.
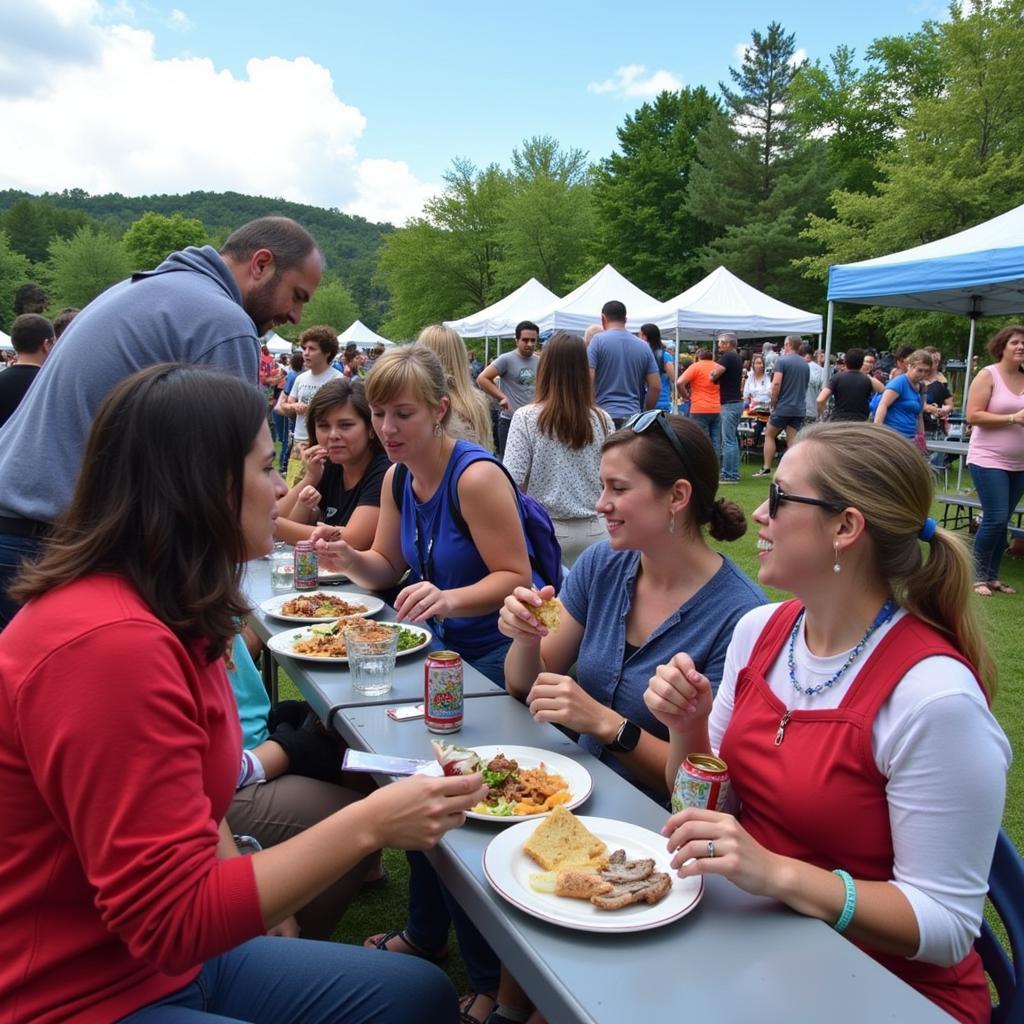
{"points": [[560, 841], [549, 614]]}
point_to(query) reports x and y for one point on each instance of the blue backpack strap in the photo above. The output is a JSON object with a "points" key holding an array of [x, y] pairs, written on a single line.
{"points": [[398, 484]]}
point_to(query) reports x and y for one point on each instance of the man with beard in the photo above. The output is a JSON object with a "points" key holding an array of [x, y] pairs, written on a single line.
{"points": [[199, 306]]}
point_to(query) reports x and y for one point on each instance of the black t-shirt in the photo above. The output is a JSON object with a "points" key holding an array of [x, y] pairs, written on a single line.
{"points": [[935, 394], [730, 384], [14, 382], [851, 391], [337, 504]]}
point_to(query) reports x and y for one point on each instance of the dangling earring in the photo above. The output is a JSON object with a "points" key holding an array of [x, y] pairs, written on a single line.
{"points": [[438, 429], [672, 522], [835, 565]]}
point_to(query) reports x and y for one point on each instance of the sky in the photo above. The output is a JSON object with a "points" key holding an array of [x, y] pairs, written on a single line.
{"points": [[359, 106]]}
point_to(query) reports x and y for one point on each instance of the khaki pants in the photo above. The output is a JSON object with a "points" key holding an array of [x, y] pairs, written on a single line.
{"points": [[576, 535]]}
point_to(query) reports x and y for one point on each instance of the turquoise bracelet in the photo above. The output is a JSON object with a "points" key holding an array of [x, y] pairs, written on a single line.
{"points": [[850, 905]]}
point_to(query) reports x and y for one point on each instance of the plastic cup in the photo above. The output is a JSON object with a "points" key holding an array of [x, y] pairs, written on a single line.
{"points": [[371, 657], [282, 569]]}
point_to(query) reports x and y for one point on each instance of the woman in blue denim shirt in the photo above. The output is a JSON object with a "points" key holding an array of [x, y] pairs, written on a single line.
{"points": [[630, 603]]}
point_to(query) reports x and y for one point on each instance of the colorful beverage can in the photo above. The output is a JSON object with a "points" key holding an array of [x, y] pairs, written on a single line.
{"points": [[306, 569], [702, 781], [442, 691]]}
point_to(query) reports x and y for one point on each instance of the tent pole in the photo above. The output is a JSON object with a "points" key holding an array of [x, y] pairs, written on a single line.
{"points": [[974, 314], [828, 340]]}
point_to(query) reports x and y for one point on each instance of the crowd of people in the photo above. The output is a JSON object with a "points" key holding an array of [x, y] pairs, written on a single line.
{"points": [[122, 550]]}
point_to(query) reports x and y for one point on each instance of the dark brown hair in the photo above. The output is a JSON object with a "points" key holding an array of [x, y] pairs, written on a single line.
{"points": [[564, 392], [323, 336], [657, 459], [997, 343], [289, 241], [340, 391], [159, 499]]}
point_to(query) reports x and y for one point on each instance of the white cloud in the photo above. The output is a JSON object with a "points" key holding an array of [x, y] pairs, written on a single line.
{"points": [[799, 56], [633, 81], [180, 20], [109, 116]]}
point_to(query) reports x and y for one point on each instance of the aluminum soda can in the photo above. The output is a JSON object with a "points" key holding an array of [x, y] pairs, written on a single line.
{"points": [[442, 691], [702, 781], [306, 566]]}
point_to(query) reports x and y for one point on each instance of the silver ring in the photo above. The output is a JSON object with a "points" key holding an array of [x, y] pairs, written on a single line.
{"points": [[711, 847]]}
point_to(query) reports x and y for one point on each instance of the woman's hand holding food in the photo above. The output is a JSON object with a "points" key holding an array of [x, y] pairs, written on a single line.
{"points": [[421, 601], [415, 813], [309, 498], [335, 555], [695, 832], [562, 701], [314, 459], [517, 618], [678, 695]]}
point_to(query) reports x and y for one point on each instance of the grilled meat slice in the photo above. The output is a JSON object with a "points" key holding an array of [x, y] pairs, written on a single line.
{"points": [[620, 870], [648, 890]]}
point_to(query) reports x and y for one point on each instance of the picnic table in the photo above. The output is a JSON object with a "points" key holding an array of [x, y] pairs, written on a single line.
{"points": [[733, 958], [946, 447]]}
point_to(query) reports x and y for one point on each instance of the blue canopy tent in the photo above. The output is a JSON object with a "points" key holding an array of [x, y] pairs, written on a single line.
{"points": [[977, 272]]}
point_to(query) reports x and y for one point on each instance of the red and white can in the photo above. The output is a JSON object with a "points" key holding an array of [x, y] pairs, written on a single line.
{"points": [[442, 691], [702, 781], [306, 567]]}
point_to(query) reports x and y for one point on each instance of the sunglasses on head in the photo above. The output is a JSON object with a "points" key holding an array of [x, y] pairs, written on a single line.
{"points": [[776, 496], [643, 421]]}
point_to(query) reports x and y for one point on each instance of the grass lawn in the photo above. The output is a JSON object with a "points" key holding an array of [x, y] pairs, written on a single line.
{"points": [[1001, 614]]}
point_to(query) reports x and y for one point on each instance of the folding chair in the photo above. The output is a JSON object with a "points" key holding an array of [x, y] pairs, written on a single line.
{"points": [[1006, 893]]}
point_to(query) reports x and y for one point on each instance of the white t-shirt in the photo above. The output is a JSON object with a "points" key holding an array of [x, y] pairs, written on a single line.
{"points": [[945, 758], [306, 385]]}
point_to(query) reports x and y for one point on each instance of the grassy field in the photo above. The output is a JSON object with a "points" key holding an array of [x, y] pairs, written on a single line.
{"points": [[1001, 614]]}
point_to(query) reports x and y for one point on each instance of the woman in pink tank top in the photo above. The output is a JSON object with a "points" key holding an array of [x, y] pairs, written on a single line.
{"points": [[868, 772], [995, 411]]}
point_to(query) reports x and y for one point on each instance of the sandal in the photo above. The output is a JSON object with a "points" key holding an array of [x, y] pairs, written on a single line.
{"points": [[982, 590], [1000, 588], [381, 942], [468, 1008]]}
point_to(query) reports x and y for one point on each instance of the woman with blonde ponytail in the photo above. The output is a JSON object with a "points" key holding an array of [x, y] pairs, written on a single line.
{"points": [[870, 773], [470, 417]]}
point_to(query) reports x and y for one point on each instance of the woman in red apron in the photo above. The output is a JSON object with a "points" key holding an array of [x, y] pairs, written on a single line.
{"points": [[868, 772]]}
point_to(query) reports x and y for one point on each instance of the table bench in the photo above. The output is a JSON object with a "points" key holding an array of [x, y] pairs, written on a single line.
{"points": [[957, 509]]}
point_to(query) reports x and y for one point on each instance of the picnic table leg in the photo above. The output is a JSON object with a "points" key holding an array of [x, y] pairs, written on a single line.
{"points": [[269, 668]]}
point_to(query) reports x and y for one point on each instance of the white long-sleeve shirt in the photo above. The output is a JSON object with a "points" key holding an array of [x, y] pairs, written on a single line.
{"points": [[945, 758]]}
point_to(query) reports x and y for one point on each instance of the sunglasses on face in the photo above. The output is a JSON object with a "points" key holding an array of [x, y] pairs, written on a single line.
{"points": [[643, 421], [776, 496]]}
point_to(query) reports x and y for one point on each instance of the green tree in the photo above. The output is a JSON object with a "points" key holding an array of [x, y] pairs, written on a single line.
{"points": [[31, 224], [756, 179], [547, 214], [332, 304], [642, 224], [959, 160], [15, 269], [84, 265], [154, 236]]}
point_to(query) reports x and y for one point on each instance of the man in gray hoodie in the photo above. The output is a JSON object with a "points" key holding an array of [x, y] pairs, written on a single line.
{"points": [[199, 306]]}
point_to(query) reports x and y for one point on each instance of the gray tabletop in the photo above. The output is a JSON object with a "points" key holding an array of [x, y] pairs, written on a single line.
{"points": [[947, 447], [736, 958], [327, 687]]}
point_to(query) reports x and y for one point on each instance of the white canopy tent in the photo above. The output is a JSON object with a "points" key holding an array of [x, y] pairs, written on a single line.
{"points": [[362, 336], [582, 307], [276, 345], [723, 302], [977, 272], [5, 342]]}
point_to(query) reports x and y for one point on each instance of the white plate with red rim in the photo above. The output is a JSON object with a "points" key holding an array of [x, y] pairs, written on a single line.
{"points": [[578, 778], [370, 605], [283, 643], [330, 576], [508, 870]]}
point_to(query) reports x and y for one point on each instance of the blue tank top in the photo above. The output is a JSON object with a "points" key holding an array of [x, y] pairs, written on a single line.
{"points": [[436, 549]]}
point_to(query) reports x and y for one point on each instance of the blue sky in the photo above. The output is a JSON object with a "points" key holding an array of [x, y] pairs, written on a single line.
{"points": [[359, 105]]}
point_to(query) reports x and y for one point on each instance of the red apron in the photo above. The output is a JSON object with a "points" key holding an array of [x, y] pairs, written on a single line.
{"points": [[818, 796]]}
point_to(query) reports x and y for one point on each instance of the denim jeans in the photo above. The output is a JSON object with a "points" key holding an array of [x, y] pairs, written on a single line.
{"points": [[731, 412], [431, 909], [306, 982], [13, 552], [1000, 492], [711, 424]]}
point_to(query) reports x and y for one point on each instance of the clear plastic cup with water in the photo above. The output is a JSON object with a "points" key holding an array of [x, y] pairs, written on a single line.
{"points": [[371, 650], [282, 568]]}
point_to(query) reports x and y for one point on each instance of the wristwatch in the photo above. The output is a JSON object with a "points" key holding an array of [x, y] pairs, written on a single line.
{"points": [[626, 738]]}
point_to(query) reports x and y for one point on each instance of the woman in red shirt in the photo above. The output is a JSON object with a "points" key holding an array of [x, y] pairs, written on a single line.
{"points": [[121, 890], [868, 771]]}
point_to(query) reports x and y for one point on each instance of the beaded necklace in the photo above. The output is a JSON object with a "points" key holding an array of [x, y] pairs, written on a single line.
{"points": [[887, 611]]}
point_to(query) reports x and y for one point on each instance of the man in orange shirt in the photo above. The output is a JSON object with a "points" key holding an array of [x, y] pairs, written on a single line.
{"points": [[700, 382]]}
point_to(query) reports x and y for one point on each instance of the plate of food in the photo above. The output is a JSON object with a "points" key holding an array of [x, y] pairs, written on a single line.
{"points": [[331, 576], [325, 641], [592, 874], [306, 606], [523, 782]]}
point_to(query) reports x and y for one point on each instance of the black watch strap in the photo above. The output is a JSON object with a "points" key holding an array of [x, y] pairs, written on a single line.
{"points": [[626, 739]]}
